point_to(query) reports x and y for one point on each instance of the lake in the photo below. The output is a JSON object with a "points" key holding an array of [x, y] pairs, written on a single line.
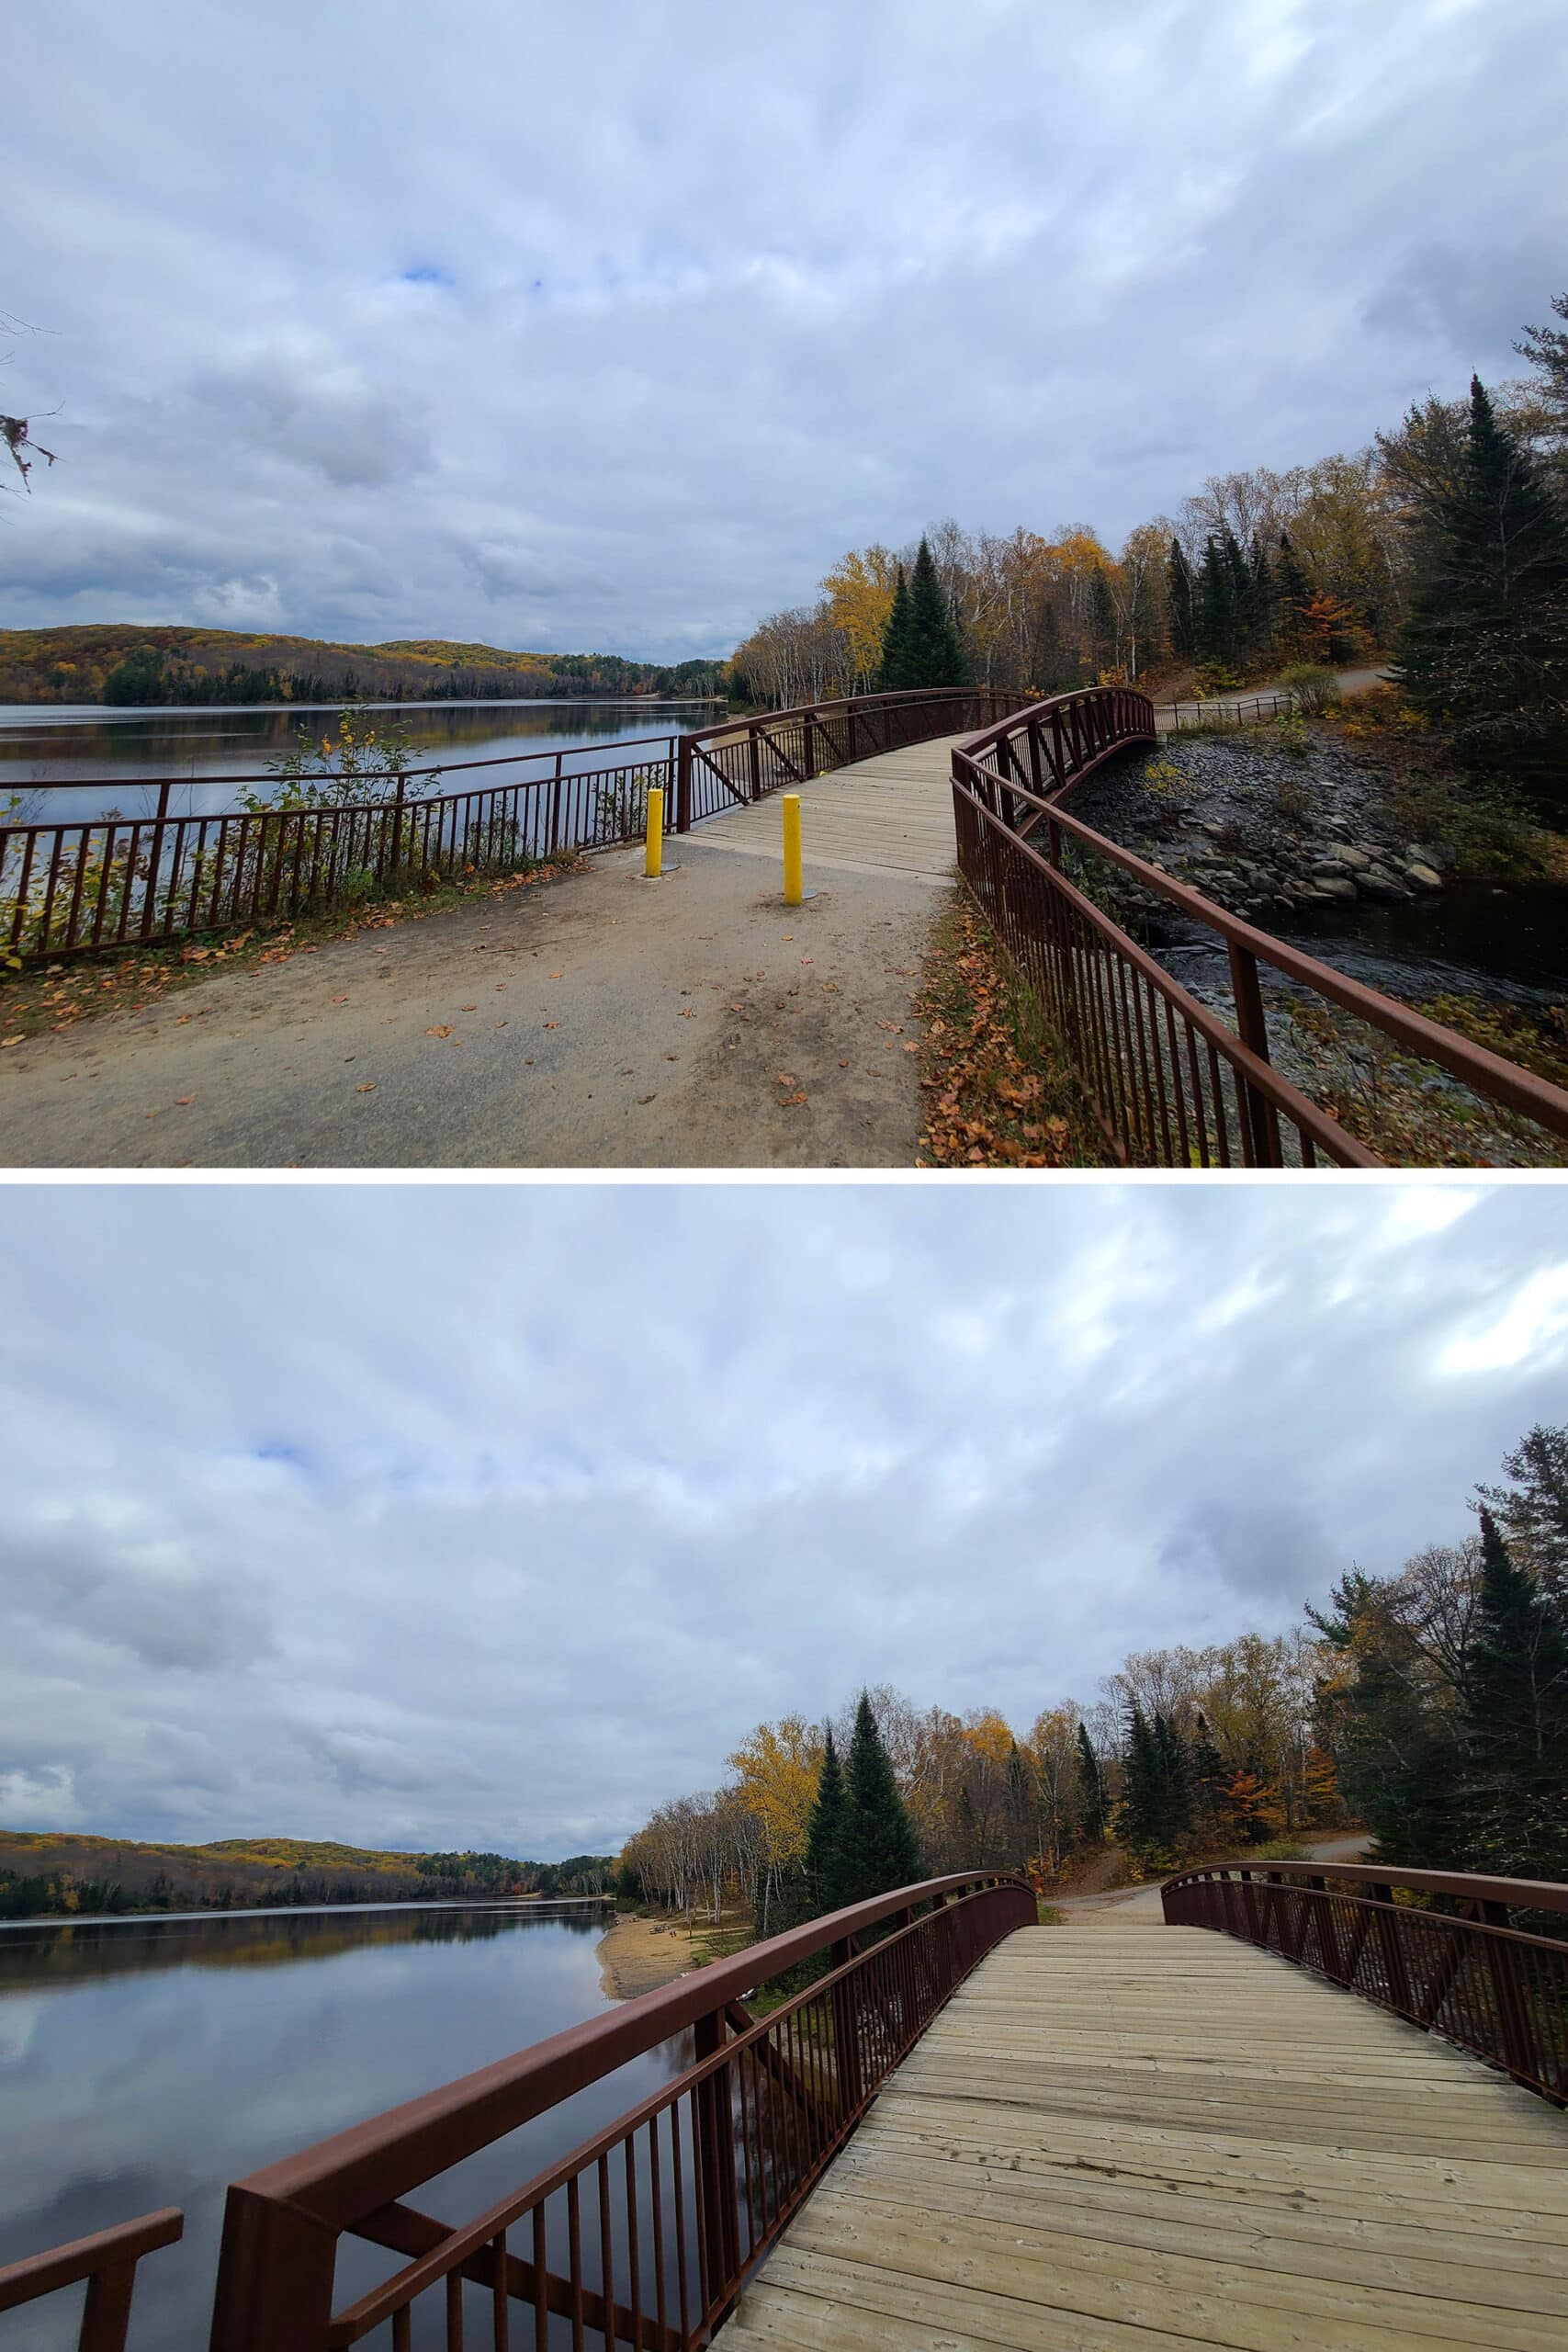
{"points": [[111, 754], [150, 2061]]}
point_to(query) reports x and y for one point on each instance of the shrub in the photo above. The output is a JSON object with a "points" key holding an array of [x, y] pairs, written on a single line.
{"points": [[1310, 686]]}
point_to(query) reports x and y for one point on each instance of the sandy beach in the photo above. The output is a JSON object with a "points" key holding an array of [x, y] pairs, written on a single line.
{"points": [[637, 1955]]}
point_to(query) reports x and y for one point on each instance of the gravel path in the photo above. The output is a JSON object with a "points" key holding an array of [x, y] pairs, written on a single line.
{"points": [[598, 1022]]}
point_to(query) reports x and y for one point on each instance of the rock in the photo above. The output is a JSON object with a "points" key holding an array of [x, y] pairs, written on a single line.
{"points": [[1422, 877], [1355, 858], [1327, 868], [1330, 886]]}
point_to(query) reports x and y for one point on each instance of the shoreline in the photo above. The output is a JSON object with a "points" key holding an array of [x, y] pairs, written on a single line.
{"points": [[639, 1955]]}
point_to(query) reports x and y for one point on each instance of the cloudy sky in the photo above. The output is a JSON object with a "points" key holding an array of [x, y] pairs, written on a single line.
{"points": [[612, 326], [440, 1517]]}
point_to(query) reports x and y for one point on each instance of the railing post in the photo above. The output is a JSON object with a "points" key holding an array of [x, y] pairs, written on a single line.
{"points": [[809, 744], [1511, 2018], [846, 2036], [1263, 1122], [107, 2312], [718, 2190], [552, 836], [275, 2269], [683, 787], [754, 749], [1392, 1952], [150, 896]]}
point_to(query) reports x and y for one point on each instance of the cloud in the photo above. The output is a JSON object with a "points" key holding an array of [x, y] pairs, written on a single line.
{"points": [[508, 335], [470, 1523]]}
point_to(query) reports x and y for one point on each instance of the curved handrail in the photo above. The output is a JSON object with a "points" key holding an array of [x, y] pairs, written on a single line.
{"points": [[741, 2135], [741, 760], [1470, 1975], [1010, 781]]}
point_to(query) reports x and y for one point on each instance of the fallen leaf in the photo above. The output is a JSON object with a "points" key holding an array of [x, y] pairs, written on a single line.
{"points": [[689, 1013], [12, 1041], [552, 1024], [558, 975], [844, 1065], [911, 1045], [645, 1099], [367, 1086], [183, 1102], [790, 1101], [442, 1029], [787, 1078], [467, 1008]]}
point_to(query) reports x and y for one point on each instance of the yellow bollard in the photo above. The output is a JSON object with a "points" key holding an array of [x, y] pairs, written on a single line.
{"points": [[653, 864], [791, 848]]}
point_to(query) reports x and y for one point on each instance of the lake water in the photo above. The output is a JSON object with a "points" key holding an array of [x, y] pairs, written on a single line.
{"points": [[111, 757], [150, 2061]]}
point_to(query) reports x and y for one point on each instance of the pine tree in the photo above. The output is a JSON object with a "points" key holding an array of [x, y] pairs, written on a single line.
{"points": [[1092, 1808], [1484, 650], [1209, 1778], [878, 1845], [1101, 620], [893, 674], [936, 657], [823, 1872], [1181, 596], [1516, 1722], [1292, 594], [1142, 1823], [1260, 599], [1214, 618], [1533, 1511], [1176, 1787]]}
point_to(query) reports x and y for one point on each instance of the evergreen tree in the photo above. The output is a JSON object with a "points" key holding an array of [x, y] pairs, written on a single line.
{"points": [[893, 671], [935, 656], [1142, 1823], [1516, 1728], [824, 1871], [1215, 613], [1181, 596], [1208, 1779], [1533, 1512], [1101, 620], [1240, 573], [1092, 1808], [1292, 594], [1176, 1787], [1484, 650], [1260, 599], [878, 1845]]}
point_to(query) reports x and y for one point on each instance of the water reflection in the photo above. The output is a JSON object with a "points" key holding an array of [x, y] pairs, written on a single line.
{"points": [[150, 2061], [112, 758]]}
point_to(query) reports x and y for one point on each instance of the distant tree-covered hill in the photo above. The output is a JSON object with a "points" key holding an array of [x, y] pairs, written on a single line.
{"points": [[122, 663], [57, 1871]]}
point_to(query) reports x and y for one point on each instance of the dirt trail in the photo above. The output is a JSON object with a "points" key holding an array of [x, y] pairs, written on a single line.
{"points": [[1143, 1903], [599, 1022]]}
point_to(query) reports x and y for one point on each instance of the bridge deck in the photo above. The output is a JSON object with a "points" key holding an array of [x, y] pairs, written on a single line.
{"points": [[1120, 2137], [892, 814]]}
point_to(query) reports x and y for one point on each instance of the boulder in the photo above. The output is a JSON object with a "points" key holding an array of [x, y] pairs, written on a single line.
{"points": [[1423, 878]]}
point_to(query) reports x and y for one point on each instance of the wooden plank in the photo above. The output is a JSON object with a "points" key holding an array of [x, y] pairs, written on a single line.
{"points": [[1120, 2139]]}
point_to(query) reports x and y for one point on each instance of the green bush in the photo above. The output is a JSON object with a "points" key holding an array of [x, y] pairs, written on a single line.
{"points": [[1312, 688]]}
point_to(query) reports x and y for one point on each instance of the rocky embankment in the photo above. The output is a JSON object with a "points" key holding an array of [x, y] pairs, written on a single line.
{"points": [[1264, 830]]}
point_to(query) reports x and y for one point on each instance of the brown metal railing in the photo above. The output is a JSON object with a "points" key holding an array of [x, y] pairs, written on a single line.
{"points": [[1171, 1082], [106, 2261], [1462, 1970], [743, 760], [67, 887], [644, 2233]]}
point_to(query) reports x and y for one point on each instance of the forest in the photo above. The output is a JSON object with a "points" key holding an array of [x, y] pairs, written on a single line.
{"points": [[122, 664], [1443, 545], [1429, 1705], [47, 1872]]}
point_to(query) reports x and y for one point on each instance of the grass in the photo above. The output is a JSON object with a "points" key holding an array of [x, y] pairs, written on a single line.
{"points": [[53, 996], [999, 1092]]}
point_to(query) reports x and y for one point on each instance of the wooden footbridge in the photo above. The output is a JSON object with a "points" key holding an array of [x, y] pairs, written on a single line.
{"points": [[1314, 2110]]}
